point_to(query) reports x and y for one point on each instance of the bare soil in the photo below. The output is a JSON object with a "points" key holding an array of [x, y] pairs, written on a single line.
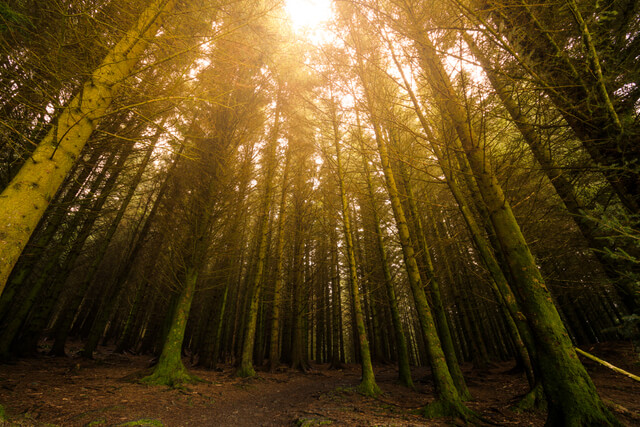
{"points": [[76, 392]]}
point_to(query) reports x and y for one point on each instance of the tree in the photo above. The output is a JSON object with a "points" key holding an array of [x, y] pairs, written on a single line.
{"points": [[246, 363], [571, 395], [30, 191], [404, 370], [367, 386]]}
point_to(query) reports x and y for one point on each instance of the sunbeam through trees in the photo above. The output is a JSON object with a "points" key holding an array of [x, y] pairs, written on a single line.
{"points": [[374, 212]]}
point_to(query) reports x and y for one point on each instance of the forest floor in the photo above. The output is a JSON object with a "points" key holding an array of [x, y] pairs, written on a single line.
{"points": [[72, 391]]}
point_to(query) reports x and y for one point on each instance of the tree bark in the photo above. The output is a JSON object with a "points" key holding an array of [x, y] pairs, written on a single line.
{"points": [[368, 385], [25, 199], [571, 395]]}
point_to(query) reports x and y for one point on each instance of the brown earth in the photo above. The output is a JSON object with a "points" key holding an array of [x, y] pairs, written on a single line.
{"points": [[76, 392]]}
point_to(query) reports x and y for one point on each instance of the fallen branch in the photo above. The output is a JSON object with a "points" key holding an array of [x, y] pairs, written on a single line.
{"points": [[608, 365]]}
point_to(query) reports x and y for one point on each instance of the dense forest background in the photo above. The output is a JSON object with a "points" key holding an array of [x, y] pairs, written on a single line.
{"points": [[408, 182]]}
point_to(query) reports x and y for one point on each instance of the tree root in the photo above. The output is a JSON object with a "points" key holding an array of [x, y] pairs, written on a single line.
{"points": [[173, 379], [368, 388], [441, 408], [534, 400], [246, 372]]}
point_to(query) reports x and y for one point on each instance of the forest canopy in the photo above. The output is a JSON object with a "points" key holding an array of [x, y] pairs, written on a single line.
{"points": [[268, 183]]}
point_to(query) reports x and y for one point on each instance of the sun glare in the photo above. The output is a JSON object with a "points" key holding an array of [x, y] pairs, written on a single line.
{"points": [[308, 14]]}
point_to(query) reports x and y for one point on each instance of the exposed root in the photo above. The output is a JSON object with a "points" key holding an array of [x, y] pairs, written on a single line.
{"points": [[534, 400], [173, 379], [246, 372], [407, 382], [301, 366], [441, 408], [368, 388]]}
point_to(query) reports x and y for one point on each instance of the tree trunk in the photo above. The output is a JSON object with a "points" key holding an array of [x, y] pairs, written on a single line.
{"points": [[274, 346], [404, 370], [433, 287], [113, 295], [25, 199], [368, 385], [65, 320], [245, 369], [571, 395], [564, 188], [336, 305], [170, 370]]}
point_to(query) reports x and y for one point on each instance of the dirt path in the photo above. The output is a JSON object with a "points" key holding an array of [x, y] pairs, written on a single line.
{"points": [[276, 400], [77, 392]]}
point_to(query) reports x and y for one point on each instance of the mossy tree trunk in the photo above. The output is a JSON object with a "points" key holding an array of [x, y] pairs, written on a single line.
{"points": [[365, 280], [433, 286], [518, 327], [200, 215], [274, 346], [44, 289], [40, 241], [615, 269], [404, 370], [245, 368], [25, 199], [170, 370], [571, 396], [448, 402], [368, 384], [336, 304]]}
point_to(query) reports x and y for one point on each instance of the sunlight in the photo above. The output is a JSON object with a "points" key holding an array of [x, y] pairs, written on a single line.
{"points": [[308, 14]]}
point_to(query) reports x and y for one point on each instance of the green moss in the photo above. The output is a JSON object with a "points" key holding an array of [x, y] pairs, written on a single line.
{"points": [[3, 414], [369, 388], [145, 422], [245, 371], [442, 408], [308, 422], [174, 379], [534, 400]]}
